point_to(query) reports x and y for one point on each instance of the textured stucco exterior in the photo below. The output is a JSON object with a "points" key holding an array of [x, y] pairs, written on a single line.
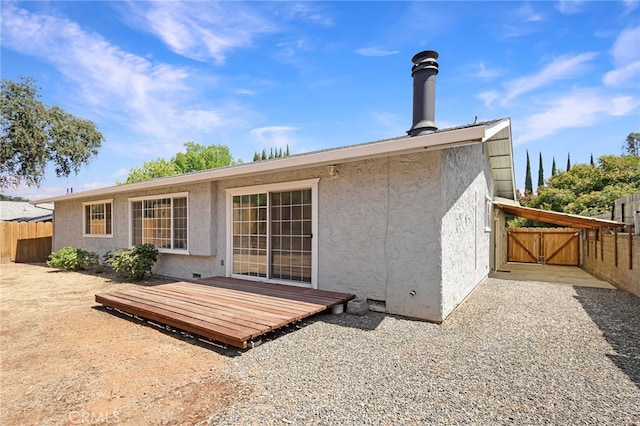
{"points": [[407, 230], [466, 239]]}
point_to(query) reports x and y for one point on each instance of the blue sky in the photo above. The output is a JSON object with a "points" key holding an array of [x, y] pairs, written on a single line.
{"points": [[315, 75]]}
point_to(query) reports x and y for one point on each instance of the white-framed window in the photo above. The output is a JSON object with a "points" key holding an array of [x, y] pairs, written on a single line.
{"points": [[270, 232], [97, 218], [488, 209], [161, 220]]}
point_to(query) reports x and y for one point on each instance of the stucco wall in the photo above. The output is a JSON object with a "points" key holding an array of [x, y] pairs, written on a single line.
{"points": [[378, 229], [466, 242], [69, 221]]}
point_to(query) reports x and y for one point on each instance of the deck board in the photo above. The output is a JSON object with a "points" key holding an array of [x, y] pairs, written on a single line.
{"points": [[226, 310]]}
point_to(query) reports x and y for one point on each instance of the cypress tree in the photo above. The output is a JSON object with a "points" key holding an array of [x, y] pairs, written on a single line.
{"points": [[264, 154], [592, 163], [568, 161], [528, 186], [553, 167], [286, 154], [540, 174], [256, 156]]}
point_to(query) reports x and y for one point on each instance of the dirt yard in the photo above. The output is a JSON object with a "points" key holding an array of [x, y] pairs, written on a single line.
{"points": [[65, 360]]}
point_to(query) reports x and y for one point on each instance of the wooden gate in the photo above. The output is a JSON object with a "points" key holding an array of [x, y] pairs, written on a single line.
{"points": [[552, 246]]}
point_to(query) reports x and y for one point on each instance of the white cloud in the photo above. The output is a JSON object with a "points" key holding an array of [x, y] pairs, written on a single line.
{"points": [[488, 97], [626, 48], [626, 58], [560, 68], [485, 72], [376, 51], [621, 76], [153, 99], [201, 30], [578, 109], [568, 7], [95, 185], [274, 136]]}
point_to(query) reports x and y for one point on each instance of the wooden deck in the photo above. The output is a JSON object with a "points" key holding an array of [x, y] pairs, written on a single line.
{"points": [[226, 310]]}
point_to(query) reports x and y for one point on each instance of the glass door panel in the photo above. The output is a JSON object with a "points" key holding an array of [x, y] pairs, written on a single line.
{"points": [[291, 235]]}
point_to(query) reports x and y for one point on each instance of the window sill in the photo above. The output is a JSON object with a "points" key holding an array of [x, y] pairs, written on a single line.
{"points": [[96, 236]]}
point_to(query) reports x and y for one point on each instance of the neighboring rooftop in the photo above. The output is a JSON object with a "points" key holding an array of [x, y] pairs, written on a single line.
{"points": [[22, 211]]}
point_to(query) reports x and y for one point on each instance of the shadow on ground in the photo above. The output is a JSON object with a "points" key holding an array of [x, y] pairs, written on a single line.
{"points": [[617, 314]]}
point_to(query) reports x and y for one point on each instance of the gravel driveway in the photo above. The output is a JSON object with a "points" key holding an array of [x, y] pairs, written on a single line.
{"points": [[514, 353]]}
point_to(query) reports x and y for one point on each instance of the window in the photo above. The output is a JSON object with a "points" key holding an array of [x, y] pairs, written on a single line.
{"points": [[271, 230], [97, 218], [161, 221]]}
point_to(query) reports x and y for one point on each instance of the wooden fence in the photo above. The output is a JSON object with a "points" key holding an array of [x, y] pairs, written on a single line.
{"points": [[25, 241]]}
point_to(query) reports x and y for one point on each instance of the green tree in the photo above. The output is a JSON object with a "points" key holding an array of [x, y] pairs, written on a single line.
{"points": [[632, 144], [553, 167], [195, 158], [589, 190], [591, 160], [274, 153], [540, 174], [151, 170], [528, 185], [568, 161], [34, 135], [199, 157]]}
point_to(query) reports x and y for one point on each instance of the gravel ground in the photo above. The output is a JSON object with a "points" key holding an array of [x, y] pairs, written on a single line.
{"points": [[514, 353]]}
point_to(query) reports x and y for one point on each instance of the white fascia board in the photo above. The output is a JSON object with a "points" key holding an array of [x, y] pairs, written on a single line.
{"points": [[495, 128], [432, 141]]}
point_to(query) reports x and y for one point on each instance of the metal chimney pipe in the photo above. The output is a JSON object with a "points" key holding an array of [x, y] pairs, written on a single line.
{"points": [[424, 71]]}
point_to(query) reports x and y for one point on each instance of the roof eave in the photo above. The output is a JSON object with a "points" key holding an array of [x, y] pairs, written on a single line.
{"points": [[434, 141]]}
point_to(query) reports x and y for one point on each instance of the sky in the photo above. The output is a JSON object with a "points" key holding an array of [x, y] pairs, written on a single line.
{"points": [[316, 75]]}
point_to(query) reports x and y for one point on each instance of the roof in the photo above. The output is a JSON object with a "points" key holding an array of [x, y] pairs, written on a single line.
{"points": [[557, 218], [22, 211], [496, 133]]}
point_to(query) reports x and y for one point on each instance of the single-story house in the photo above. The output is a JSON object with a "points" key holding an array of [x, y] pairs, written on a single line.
{"points": [[405, 222]]}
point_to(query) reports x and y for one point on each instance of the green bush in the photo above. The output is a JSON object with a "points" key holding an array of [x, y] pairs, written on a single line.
{"points": [[133, 263], [72, 259]]}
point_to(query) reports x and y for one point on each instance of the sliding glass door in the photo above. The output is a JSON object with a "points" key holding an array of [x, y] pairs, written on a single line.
{"points": [[272, 233]]}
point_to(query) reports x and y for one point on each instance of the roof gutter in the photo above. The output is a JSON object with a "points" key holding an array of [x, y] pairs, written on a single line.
{"points": [[432, 141]]}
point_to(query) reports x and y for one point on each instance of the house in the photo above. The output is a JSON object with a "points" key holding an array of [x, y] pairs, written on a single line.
{"points": [[22, 211], [405, 222]]}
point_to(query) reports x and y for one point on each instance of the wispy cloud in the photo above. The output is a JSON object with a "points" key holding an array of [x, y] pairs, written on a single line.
{"points": [[561, 68], [274, 136], [568, 7], [153, 99], [201, 30], [626, 59], [485, 72], [521, 21], [577, 109], [376, 51]]}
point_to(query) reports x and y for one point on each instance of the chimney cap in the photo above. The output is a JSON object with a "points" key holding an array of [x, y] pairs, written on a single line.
{"points": [[418, 57]]}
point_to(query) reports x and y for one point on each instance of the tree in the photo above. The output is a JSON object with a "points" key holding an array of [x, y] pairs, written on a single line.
{"points": [[591, 161], [540, 174], [553, 167], [528, 186], [199, 157], [151, 170], [589, 190], [632, 144], [34, 135], [568, 161], [195, 158], [274, 153]]}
